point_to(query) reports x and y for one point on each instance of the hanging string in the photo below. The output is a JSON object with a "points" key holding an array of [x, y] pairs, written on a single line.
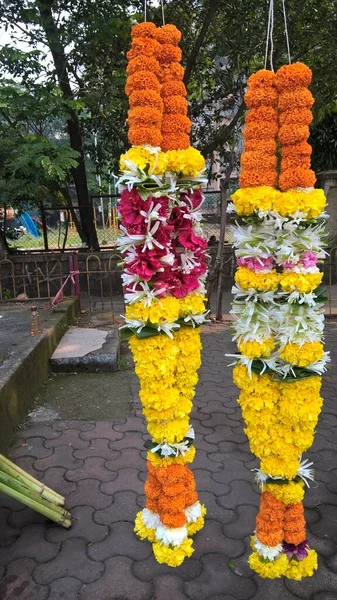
{"points": [[162, 11], [145, 10], [270, 40], [286, 29]]}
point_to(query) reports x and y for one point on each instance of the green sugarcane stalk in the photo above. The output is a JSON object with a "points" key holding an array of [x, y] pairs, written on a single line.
{"points": [[12, 483], [62, 518], [29, 481]]}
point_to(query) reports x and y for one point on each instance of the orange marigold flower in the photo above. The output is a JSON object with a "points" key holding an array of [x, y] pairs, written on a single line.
{"points": [[142, 80], [142, 115], [301, 98], [262, 113], [146, 30], [260, 96], [143, 63], [296, 150], [146, 98], [175, 105], [263, 130], [301, 116], [152, 488], [172, 71], [257, 178], [168, 34], [176, 124], [290, 77], [171, 504], [293, 134], [175, 141], [169, 519], [173, 88], [258, 160], [170, 54], [263, 77], [140, 136], [143, 45], [152, 504], [270, 537], [191, 498], [297, 177], [300, 160], [267, 146]]}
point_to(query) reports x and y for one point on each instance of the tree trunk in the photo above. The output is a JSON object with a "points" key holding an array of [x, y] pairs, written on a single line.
{"points": [[73, 124], [78, 225]]}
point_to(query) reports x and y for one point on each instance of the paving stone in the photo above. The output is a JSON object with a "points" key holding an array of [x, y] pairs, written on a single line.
{"points": [[121, 541], [207, 484], [83, 526], [60, 457], [33, 447], [149, 569], [88, 493], [323, 580], [39, 430], [98, 447], [244, 524], [93, 468], [118, 579], [202, 461], [168, 586], [325, 596], [69, 437], [239, 492], [131, 439], [225, 433], [27, 463], [130, 457], [71, 561], [10, 503], [234, 469], [127, 480], [231, 450], [326, 527], [214, 510], [73, 424], [272, 589], [102, 430], [55, 479], [132, 424], [22, 518], [216, 577], [66, 588], [30, 544], [8, 534], [324, 547], [19, 583], [212, 539], [124, 507], [201, 444]]}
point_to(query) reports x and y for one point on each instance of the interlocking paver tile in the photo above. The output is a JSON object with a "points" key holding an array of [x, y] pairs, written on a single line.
{"points": [[214, 510], [202, 461], [168, 586], [123, 508], [128, 479], [323, 580], [239, 492], [33, 447], [93, 468], [68, 437], [121, 541], [327, 525], [38, 430], [73, 424], [118, 580], [63, 456], [55, 479], [88, 493], [8, 533], [130, 439], [212, 538], [218, 576], [66, 588], [19, 583], [101, 430], [97, 447], [150, 569], [206, 483], [71, 561], [30, 544], [242, 527], [21, 518], [83, 526], [132, 424], [130, 457], [325, 596]]}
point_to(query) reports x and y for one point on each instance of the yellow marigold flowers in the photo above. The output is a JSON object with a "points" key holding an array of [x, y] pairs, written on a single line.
{"points": [[184, 163], [187, 163], [289, 493], [250, 280], [302, 355], [167, 309], [303, 568], [172, 556], [144, 533], [268, 569], [264, 198], [250, 199], [254, 349], [300, 282]]}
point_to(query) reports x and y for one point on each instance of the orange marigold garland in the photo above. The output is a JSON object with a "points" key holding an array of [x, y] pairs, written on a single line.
{"points": [[165, 266], [279, 239]]}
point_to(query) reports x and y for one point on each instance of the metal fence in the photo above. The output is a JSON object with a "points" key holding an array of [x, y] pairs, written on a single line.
{"points": [[54, 229]]}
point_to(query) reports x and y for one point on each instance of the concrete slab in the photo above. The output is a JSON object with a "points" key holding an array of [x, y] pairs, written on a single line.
{"points": [[87, 349]]}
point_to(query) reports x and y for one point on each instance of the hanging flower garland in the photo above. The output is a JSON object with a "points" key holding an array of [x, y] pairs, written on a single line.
{"points": [[278, 309], [164, 254]]}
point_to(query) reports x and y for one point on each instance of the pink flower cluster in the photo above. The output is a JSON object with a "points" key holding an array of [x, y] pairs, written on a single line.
{"points": [[308, 260], [164, 251], [257, 264]]}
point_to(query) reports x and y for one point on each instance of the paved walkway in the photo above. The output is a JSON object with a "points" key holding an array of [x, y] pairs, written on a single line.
{"points": [[100, 468]]}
